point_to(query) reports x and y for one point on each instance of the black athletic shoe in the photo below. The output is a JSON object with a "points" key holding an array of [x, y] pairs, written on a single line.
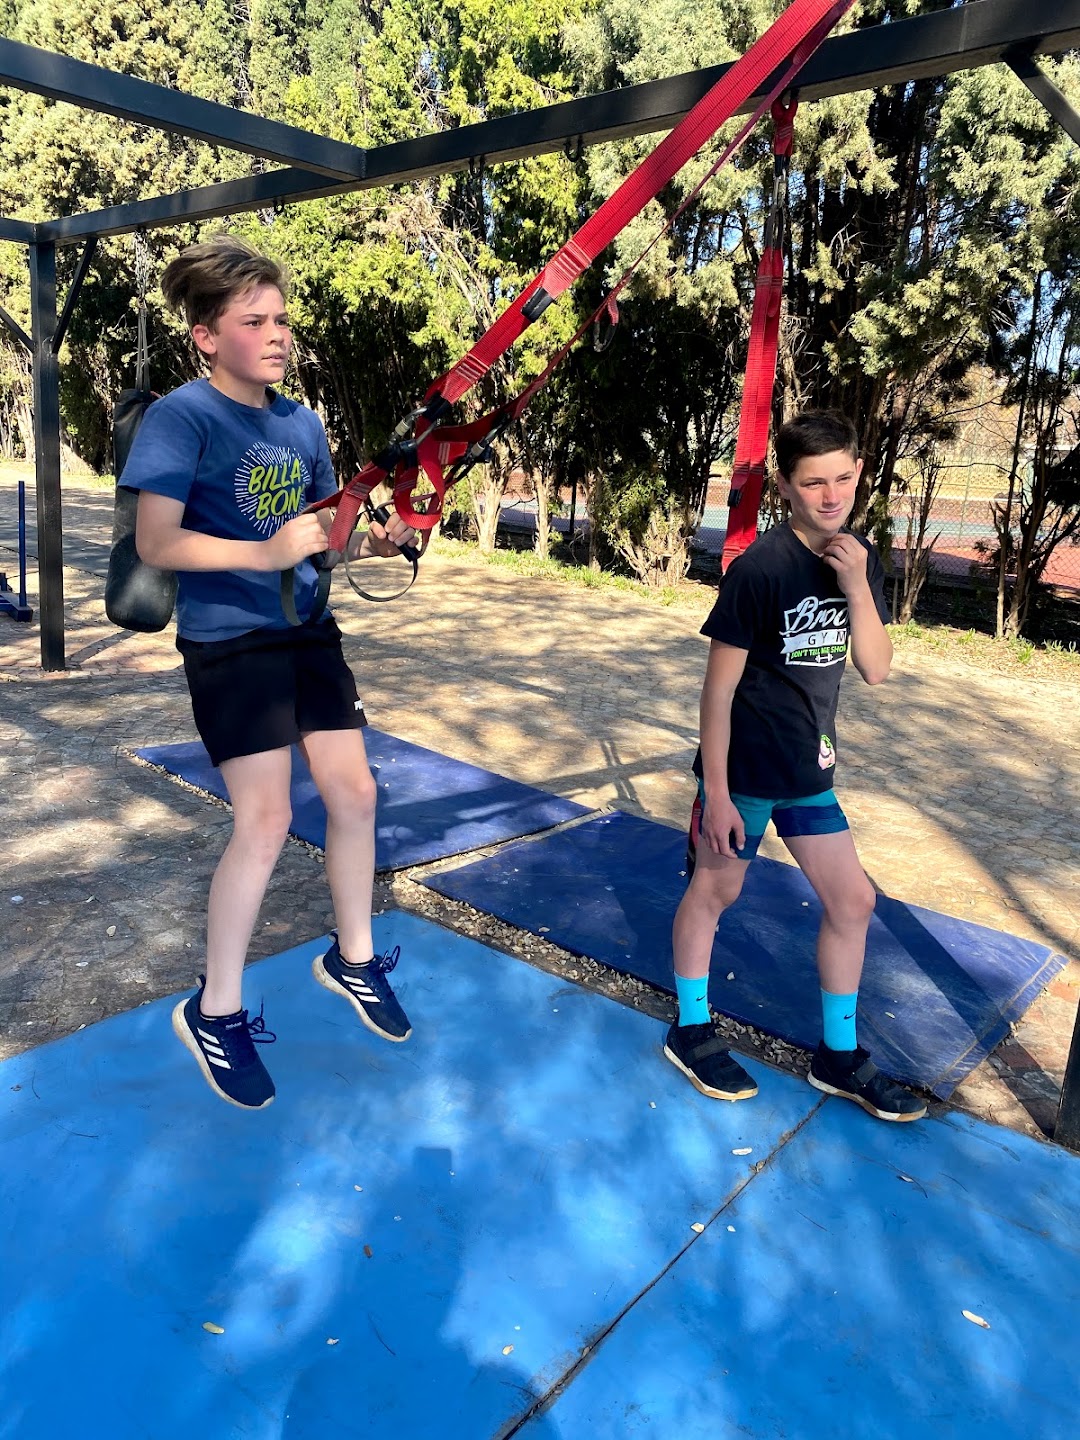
{"points": [[699, 1053], [854, 1076], [367, 990], [225, 1050]]}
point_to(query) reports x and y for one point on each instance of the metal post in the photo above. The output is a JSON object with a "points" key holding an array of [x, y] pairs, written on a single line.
{"points": [[47, 455], [22, 547], [1067, 1129]]}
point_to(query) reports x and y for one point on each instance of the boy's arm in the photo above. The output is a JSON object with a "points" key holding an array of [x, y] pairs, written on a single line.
{"points": [[721, 819], [871, 648], [161, 540]]}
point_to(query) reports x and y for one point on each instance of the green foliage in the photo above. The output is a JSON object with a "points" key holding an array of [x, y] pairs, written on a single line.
{"points": [[919, 219]]}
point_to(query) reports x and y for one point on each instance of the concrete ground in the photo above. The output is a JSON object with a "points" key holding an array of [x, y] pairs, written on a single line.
{"points": [[961, 785]]}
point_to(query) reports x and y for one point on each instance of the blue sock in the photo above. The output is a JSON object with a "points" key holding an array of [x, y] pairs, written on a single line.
{"points": [[693, 996], [838, 1015]]}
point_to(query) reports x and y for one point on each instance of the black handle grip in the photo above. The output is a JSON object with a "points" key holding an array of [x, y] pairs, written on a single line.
{"points": [[382, 515]]}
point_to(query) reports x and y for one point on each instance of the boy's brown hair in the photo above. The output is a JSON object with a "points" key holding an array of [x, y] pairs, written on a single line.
{"points": [[203, 279], [814, 432]]}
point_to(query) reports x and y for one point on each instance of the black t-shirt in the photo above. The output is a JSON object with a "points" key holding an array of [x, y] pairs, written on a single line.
{"points": [[782, 604]]}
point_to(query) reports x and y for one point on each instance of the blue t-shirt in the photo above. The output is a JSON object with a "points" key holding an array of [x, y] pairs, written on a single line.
{"points": [[241, 473]]}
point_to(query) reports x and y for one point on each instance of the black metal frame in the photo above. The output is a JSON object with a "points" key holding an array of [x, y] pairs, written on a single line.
{"points": [[981, 32]]}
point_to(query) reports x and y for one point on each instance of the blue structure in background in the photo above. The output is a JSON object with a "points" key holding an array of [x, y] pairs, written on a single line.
{"points": [[937, 995], [17, 609], [424, 1240]]}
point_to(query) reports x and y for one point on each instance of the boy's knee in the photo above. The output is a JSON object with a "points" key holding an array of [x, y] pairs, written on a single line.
{"points": [[855, 907], [352, 798], [265, 827], [717, 888]]}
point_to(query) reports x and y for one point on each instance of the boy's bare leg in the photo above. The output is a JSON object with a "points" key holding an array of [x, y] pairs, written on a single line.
{"points": [[258, 787], [338, 762], [839, 1065], [832, 866], [339, 766], [715, 884]]}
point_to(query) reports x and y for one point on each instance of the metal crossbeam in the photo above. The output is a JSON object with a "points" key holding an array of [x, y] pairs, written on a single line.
{"points": [[1044, 90], [81, 272], [58, 77], [982, 32], [15, 330], [21, 231]]}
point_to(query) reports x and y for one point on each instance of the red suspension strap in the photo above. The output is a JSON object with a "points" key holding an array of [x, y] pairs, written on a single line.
{"points": [[422, 444], [748, 471]]}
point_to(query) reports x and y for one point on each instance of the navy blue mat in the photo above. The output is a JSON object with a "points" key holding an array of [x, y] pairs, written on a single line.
{"points": [[430, 806], [937, 995]]}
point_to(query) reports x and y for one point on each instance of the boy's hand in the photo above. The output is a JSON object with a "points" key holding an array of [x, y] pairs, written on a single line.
{"points": [[385, 540], [847, 557], [295, 541], [720, 824]]}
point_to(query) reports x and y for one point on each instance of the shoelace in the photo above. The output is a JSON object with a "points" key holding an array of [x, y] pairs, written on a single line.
{"points": [[257, 1028], [237, 1040], [385, 963]]}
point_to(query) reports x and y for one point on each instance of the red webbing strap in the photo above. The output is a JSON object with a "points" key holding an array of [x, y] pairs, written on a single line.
{"points": [[751, 447], [779, 54], [793, 35], [770, 272]]}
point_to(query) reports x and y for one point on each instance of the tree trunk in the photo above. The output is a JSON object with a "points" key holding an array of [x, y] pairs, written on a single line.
{"points": [[486, 495], [542, 539], [1003, 519]]}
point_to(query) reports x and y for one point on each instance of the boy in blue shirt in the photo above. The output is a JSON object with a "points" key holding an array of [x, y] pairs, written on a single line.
{"points": [[225, 467], [780, 631]]}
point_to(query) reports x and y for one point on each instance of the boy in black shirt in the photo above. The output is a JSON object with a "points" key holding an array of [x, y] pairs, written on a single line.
{"points": [[780, 630]]}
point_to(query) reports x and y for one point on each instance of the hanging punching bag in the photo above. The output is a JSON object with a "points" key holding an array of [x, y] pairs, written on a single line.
{"points": [[137, 596]]}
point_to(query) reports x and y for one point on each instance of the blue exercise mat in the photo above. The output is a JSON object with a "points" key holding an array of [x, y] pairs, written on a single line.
{"points": [[411, 1242], [828, 1300], [937, 995], [429, 806], [524, 1202]]}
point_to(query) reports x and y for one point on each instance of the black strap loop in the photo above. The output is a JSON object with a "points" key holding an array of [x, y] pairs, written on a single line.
{"points": [[288, 596], [410, 552]]}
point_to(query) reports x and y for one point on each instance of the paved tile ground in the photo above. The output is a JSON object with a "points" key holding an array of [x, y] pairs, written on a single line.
{"points": [[961, 786]]}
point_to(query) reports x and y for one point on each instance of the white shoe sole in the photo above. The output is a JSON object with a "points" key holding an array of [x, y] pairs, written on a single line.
{"points": [[745, 1094], [828, 1089], [323, 976]]}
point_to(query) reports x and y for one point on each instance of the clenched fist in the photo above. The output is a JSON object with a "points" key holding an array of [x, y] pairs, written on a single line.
{"points": [[295, 541]]}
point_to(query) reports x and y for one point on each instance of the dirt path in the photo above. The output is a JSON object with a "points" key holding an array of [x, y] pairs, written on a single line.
{"points": [[962, 785]]}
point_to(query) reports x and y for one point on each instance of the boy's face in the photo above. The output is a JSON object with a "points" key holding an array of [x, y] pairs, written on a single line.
{"points": [[251, 340], [821, 491]]}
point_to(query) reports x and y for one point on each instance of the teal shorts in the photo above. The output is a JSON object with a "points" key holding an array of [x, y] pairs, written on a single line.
{"points": [[808, 815]]}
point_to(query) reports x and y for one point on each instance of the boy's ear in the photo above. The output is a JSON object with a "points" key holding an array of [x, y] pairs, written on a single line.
{"points": [[204, 340]]}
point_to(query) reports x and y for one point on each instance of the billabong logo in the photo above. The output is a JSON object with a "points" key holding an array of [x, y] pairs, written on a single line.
{"points": [[270, 484]]}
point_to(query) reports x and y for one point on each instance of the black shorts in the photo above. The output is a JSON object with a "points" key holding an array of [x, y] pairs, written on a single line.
{"points": [[264, 690]]}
